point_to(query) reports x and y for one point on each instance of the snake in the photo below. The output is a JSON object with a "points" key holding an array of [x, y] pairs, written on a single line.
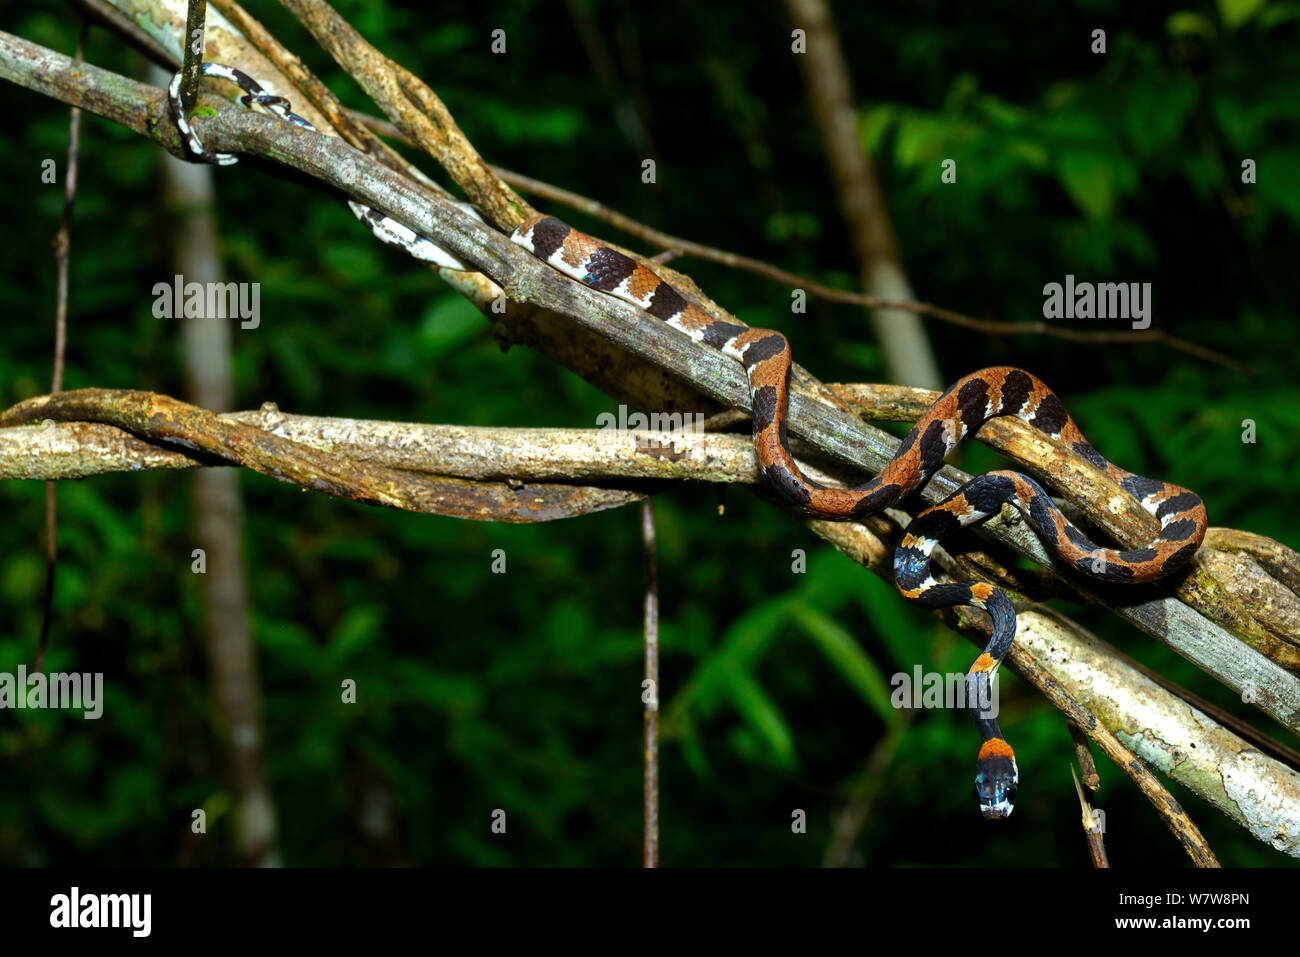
{"points": [[961, 410], [385, 229]]}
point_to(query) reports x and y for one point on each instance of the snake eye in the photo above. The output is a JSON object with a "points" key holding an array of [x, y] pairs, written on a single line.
{"points": [[1011, 794]]}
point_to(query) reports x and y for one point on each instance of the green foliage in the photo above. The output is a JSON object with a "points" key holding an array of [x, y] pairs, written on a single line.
{"points": [[521, 691]]}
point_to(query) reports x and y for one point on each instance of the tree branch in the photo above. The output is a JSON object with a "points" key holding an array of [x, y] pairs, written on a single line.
{"points": [[677, 246], [164, 419]]}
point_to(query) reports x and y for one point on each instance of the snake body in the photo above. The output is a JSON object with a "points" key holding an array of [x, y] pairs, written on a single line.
{"points": [[961, 410], [385, 229]]}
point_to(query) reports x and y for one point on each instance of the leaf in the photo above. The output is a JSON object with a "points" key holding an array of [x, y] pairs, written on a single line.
{"points": [[1278, 13], [359, 627], [853, 664], [921, 139], [782, 227], [864, 354], [743, 644], [1235, 13], [1033, 154], [1090, 181], [21, 576], [355, 262], [874, 123], [555, 125], [894, 622], [289, 643], [1155, 113], [1275, 183], [753, 704], [692, 749], [1185, 23]]}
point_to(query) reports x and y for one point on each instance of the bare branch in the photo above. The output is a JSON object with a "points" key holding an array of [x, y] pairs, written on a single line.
{"points": [[161, 418]]}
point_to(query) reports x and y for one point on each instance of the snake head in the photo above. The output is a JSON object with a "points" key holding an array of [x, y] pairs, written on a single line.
{"points": [[996, 779]]}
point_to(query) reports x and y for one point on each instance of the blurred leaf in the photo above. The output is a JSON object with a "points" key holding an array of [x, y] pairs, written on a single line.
{"points": [[743, 645], [853, 664], [1089, 179], [1234, 13], [1156, 112], [1275, 14], [763, 717], [782, 227], [874, 123], [21, 576], [358, 629], [692, 750], [922, 139], [1034, 154], [1184, 23], [1275, 180], [550, 126]]}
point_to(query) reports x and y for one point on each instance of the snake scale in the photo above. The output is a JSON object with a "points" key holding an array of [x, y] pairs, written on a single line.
{"points": [[961, 410]]}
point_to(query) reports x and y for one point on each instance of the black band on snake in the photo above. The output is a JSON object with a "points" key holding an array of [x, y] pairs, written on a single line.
{"points": [[961, 410]]}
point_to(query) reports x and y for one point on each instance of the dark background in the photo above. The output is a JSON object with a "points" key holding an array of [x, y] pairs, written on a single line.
{"points": [[480, 691]]}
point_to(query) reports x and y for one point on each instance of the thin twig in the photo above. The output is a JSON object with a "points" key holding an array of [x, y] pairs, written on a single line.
{"points": [[322, 97], [758, 267], [1091, 828], [62, 248], [63, 240], [863, 795], [416, 108], [1091, 779], [192, 47], [650, 693]]}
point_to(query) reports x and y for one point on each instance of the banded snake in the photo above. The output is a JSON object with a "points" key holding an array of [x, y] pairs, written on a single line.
{"points": [[961, 410]]}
